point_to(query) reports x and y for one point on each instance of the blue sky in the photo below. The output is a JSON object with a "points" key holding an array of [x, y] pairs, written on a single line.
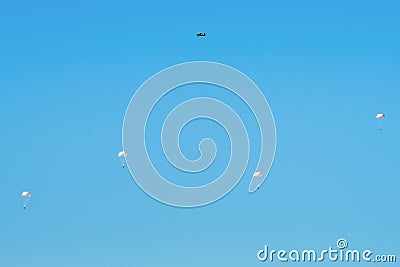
{"points": [[68, 71]]}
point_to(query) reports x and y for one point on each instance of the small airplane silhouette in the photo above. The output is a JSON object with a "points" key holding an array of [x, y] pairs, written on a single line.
{"points": [[201, 34]]}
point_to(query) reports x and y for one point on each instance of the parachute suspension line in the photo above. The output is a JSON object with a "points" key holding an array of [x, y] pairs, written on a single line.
{"points": [[25, 202], [123, 163]]}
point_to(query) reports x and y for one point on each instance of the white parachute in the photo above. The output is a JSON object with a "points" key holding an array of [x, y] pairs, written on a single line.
{"points": [[122, 155], [257, 174], [25, 198], [380, 117]]}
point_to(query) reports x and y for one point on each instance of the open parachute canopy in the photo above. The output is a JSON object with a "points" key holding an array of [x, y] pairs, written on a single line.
{"points": [[380, 116], [26, 194], [122, 154], [257, 174]]}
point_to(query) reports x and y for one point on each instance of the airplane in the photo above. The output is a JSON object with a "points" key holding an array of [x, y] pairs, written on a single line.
{"points": [[201, 34]]}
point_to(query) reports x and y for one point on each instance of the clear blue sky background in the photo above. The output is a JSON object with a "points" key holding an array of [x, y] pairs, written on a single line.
{"points": [[68, 71]]}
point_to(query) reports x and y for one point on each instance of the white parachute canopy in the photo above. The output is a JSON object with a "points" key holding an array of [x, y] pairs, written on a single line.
{"points": [[257, 174], [380, 117], [25, 198], [122, 155], [26, 194]]}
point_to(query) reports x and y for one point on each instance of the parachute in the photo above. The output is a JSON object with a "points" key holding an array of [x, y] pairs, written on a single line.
{"points": [[256, 181], [122, 155], [257, 174], [380, 117], [25, 198]]}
